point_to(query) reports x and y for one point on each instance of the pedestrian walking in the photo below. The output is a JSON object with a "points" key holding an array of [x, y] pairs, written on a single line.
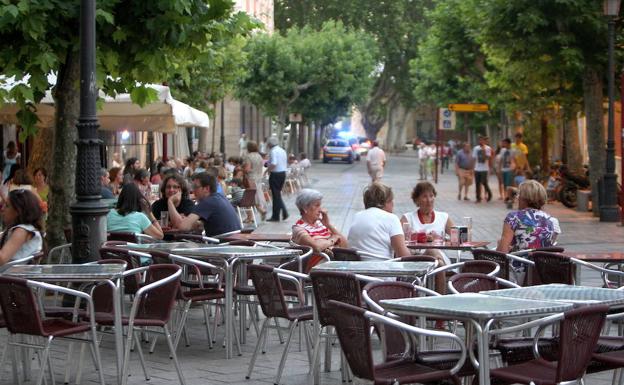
{"points": [[242, 145], [375, 162], [277, 169], [464, 169], [506, 165], [422, 161], [483, 161]]}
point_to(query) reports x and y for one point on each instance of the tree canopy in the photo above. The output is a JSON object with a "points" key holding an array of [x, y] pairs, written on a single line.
{"points": [[319, 74]]}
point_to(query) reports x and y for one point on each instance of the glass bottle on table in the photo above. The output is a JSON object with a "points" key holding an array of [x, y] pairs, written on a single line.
{"points": [[468, 224], [407, 231]]}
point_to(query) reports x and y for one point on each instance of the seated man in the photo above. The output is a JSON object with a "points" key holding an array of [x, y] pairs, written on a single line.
{"points": [[213, 209]]}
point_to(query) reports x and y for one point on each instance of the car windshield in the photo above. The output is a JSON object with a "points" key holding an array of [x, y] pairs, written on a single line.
{"points": [[337, 143]]}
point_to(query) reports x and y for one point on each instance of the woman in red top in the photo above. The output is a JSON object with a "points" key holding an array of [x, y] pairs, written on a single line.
{"points": [[313, 228]]}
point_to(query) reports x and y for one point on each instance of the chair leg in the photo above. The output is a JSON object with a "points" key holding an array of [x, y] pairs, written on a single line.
{"points": [[293, 325], [174, 355], [208, 334], [253, 214], [316, 351], [181, 324], [141, 356], [279, 331], [236, 340], [263, 331], [44, 359]]}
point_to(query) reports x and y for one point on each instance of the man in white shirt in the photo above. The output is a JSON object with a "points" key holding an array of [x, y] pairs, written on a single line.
{"points": [[375, 161], [278, 162], [242, 144], [483, 160]]}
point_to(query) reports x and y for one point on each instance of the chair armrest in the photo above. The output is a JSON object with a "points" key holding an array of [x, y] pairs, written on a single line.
{"points": [[139, 254], [194, 262], [156, 284], [604, 271], [444, 268], [372, 304], [295, 282], [507, 283], [512, 257], [372, 255], [294, 274], [210, 240], [414, 330], [528, 325], [367, 279]]}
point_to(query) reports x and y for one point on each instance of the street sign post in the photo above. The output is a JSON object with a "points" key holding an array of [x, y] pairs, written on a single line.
{"points": [[447, 119], [469, 107]]}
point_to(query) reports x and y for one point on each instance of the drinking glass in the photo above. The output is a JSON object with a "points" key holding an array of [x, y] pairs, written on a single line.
{"points": [[164, 219]]}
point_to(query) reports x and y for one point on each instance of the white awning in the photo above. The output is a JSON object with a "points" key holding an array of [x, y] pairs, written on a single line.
{"points": [[119, 113]]}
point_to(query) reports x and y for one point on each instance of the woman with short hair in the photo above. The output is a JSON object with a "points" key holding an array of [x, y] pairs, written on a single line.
{"points": [[314, 228], [529, 227], [376, 230]]}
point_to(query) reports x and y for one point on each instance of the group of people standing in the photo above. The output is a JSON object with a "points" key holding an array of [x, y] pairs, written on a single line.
{"points": [[508, 162]]}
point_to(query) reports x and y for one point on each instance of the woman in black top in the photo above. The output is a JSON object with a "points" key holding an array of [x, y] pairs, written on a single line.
{"points": [[169, 187]]}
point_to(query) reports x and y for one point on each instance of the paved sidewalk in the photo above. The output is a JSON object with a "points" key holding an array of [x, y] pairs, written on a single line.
{"points": [[342, 186]]}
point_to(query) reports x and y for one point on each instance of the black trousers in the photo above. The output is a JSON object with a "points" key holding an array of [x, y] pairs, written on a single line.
{"points": [[481, 178], [276, 183]]}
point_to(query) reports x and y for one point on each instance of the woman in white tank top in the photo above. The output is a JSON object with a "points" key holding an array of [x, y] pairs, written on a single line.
{"points": [[23, 219], [434, 223]]}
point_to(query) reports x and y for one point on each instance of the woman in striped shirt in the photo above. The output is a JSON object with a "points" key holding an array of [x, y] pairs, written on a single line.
{"points": [[314, 228]]}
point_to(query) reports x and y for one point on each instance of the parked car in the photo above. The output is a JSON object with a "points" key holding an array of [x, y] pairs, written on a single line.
{"points": [[338, 149], [355, 146]]}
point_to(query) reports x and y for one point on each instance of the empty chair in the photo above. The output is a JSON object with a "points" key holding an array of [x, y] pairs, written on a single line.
{"points": [[394, 343], [550, 268], [246, 205], [273, 304], [344, 254], [22, 315], [475, 282], [579, 330], [353, 328], [495, 256]]}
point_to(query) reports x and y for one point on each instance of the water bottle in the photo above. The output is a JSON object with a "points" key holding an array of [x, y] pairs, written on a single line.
{"points": [[468, 224]]}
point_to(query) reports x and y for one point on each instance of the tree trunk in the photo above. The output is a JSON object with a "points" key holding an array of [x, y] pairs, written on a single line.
{"points": [[544, 142], [62, 175], [573, 158], [311, 134], [41, 150], [592, 99], [318, 128]]}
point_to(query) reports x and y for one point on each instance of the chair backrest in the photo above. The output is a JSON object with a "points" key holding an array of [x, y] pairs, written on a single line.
{"points": [[416, 258], [160, 257], [473, 282], [249, 198], [494, 256], [550, 268], [122, 236], [345, 254], [480, 267], [60, 254], [305, 262], [19, 307], [338, 286], [551, 249], [102, 294], [579, 332], [197, 238], [158, 303], [377, 291], [131, 283], [353, 329], [269, 291]]}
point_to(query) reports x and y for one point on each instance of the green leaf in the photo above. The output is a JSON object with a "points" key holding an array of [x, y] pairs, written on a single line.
{"points": [[101, 14]]}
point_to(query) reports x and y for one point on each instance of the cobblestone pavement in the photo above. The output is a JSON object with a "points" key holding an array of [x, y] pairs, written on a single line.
{"points": [[342, 186]]}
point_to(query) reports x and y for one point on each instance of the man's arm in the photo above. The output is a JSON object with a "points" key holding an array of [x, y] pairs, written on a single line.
{"points": [[177, 221]]}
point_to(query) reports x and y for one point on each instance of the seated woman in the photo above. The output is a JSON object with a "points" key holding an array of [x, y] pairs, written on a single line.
{"points": [[529, 227], [314, 228], [170, 186], [434, 223], [132, 214], [23, 218], [376, 230]]}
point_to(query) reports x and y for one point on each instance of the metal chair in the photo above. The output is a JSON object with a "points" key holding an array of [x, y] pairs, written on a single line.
{"points": [[268, 284], [344, 254], [151, 307], [394, 344], [130, 237], [550, 268], [353, 327], [201, 295], [475, 282], [190, 237], [247, 204], [60, 254], [579, 330], [22, 313]]}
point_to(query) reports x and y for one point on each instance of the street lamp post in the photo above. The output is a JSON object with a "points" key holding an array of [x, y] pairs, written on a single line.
{"points": [[88, 212], [608, 205]]}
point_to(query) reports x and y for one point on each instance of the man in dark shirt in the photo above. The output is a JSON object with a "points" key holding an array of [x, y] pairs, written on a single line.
{"points": [[213, 209], [105, 180]]}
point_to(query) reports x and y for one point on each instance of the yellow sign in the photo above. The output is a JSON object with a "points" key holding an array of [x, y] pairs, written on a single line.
{"points": [[469, 107]]}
